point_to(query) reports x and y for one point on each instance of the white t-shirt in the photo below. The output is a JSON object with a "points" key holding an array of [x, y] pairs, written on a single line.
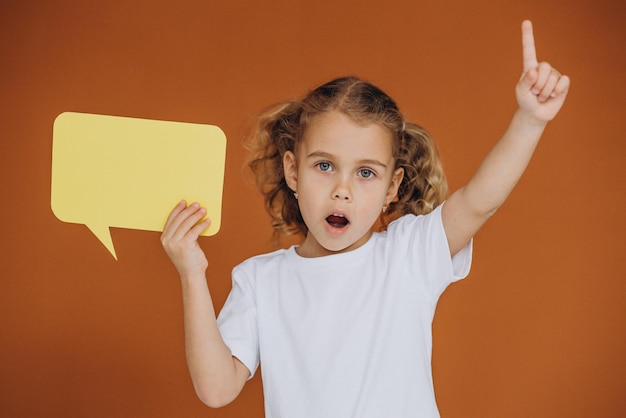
{"points": [[345, 335]]}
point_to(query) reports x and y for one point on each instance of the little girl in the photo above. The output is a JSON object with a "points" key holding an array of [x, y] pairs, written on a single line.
{"points": [[342, 323]]}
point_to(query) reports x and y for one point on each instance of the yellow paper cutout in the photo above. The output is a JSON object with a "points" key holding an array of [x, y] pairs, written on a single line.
{"points": [[111, 171]]}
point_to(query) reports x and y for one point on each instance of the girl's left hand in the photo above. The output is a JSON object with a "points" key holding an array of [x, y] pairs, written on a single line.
{"points": [[541, 90]]}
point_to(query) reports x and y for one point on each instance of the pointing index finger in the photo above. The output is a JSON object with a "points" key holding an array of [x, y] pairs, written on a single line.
{"points": [[529, 54]]}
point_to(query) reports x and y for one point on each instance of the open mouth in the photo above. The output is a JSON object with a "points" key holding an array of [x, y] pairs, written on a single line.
{"points": [[337, 220]]}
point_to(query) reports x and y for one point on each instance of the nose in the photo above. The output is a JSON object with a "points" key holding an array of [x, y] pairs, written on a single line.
{"points": [[342, 190]]}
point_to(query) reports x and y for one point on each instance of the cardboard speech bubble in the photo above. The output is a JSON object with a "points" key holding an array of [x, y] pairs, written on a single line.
{"points": [[111, 171]]}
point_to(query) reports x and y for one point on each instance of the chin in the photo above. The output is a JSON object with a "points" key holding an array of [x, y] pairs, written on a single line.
{"points": [[337, 247]]}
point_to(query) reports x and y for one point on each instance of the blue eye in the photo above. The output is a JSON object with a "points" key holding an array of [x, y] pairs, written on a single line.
{"points": [[366, 173], [324, 166]]}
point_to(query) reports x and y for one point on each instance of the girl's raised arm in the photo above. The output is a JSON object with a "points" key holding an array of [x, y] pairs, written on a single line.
{"points": [[540, 93], [217, 376]]}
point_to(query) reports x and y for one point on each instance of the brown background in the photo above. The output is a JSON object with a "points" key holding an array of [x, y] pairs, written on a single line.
{"points": [[538, 330]]}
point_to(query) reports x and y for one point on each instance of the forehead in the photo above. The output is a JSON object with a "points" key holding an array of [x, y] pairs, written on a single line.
{"points": [[335, 132]]}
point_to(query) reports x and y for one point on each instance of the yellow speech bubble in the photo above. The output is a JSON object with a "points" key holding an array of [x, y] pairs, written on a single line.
{"points": [[111, 171]]}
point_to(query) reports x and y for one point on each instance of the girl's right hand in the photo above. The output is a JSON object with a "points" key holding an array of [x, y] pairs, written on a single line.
{"points": [[180, 238]]}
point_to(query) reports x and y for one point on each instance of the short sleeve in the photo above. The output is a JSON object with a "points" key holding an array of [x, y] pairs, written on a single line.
{"points": [[455, 268], [462, 261], [237, 321], [421, 243]]}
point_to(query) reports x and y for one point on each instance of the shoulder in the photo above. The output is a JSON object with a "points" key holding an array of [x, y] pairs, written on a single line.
{"points": [[418, 226], [419, 236], [421, 240], [264, 261]]}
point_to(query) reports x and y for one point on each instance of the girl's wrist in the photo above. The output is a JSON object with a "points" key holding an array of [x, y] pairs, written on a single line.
{"points": [[192, 277], [528, 119]]}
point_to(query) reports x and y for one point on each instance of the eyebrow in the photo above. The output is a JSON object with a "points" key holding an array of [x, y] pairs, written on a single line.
{"points": [[322, 154]]}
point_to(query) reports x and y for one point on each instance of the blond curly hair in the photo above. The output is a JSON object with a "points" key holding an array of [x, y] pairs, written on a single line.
{"points": [[281, 128]]}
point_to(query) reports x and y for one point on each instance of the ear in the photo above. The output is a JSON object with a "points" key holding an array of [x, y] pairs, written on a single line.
{"points": [[290, 168], [396, 180]]}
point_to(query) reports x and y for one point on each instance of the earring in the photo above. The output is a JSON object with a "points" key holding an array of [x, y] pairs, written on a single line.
{"points": [[295, 194], [384, 208]]}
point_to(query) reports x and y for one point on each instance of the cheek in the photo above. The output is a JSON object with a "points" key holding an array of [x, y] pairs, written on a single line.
{"points": [[369, 201], [308, 201]]}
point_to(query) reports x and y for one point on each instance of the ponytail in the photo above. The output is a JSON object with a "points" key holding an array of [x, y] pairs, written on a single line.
{"points": [[424, 185], [276, 132]]}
